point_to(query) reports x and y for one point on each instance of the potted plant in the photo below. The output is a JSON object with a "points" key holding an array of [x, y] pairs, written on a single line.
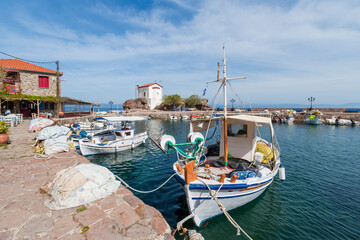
{"points": [[4, 129]]}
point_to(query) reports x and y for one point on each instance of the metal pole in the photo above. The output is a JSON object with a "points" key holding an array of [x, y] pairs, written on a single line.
{"points": [[38, 108], [58, 87], [225, 113]]}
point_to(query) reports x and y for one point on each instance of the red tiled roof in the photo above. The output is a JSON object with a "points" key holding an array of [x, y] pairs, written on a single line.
{"points": [[149, 84], [22, 65]]}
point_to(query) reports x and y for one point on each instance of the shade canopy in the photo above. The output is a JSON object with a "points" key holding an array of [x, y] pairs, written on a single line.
{"points": [[251, 119], [124, 119]]}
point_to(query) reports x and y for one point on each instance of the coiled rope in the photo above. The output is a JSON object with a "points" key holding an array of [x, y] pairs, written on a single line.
{"points": [[140, 191]]}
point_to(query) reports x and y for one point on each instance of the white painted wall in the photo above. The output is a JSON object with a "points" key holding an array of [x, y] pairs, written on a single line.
{"points": [[153, 94]]}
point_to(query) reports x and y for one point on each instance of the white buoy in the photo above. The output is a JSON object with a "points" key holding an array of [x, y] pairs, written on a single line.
{"points": [[282, 173]]}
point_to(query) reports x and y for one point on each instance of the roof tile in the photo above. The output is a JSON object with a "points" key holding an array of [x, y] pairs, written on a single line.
{"points": [[149, 84], [22, 65]]}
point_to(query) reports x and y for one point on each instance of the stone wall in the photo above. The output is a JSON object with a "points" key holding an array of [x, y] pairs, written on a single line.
{"points": [[29, 83]]}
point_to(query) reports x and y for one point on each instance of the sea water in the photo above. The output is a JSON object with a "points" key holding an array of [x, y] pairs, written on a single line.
{"points": [[320, 198]]}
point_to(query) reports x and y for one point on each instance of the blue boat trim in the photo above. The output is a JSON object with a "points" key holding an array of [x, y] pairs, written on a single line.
{"points": [[179, 179], [226, 186], [215, 187], [234, 196]]}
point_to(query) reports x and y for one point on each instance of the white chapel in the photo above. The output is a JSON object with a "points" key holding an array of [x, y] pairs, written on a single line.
{"points": [[152, 92]]}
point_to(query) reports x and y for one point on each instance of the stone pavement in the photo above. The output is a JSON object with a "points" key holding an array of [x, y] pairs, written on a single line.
{"points": [[24, 215]]}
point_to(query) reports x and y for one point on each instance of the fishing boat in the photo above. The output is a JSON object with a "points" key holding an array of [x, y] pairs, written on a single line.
{"points": [[313, 120], [112, 141], [230, 174], [338, 121], [289, 120]]}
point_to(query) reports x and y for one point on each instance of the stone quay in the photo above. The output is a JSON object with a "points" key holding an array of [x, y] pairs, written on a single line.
{"points": [[120, 215]]}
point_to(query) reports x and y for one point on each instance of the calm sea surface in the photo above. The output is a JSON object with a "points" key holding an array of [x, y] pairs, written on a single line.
{"points": [[320, 198]]}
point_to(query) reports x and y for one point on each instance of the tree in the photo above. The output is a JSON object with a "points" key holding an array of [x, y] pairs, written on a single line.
{"points": [[192, 101], [172, 100]]}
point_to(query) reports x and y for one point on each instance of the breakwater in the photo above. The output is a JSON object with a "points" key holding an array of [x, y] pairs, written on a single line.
{"points": [[327, 113]]}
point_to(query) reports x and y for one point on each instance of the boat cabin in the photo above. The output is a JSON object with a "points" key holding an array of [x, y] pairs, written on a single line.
{"points": [[125, 133], [108, 135], [242, 135]]}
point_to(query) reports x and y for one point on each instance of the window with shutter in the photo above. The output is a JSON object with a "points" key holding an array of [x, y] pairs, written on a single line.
{"points": [[43, 82]]}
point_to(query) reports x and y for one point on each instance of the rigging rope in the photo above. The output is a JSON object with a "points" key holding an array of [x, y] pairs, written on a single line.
{"points": [[235, 93], [212, 113], [213, 133], [140, 191]]}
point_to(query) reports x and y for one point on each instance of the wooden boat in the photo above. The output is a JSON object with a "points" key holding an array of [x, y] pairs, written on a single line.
{"points": [[241, 169]]}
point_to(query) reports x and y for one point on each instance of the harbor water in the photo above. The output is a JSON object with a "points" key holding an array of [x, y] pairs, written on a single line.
{"points": [[320, 198]]}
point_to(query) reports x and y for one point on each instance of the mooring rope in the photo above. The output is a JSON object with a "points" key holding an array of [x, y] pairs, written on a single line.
{"points": [[46, 156], [140, 191], [213, 194]]}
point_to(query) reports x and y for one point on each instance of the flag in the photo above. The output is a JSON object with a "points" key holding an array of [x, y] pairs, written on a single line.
{"points": [[204, 92]]}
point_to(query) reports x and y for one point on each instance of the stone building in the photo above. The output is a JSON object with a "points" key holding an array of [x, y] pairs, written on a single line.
{"points": [[28, 88], [152, 92]]}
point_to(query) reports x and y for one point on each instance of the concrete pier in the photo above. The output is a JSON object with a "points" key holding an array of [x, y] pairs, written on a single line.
{"points": [[24, 215]]}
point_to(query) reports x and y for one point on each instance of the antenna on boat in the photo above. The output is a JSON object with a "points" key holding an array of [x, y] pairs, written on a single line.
{"points": [[224, 80]]}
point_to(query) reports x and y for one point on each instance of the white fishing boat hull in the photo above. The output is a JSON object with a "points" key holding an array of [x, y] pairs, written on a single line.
{"points": [[313, 121], [89, 148], [231, 195], [289, 121]]}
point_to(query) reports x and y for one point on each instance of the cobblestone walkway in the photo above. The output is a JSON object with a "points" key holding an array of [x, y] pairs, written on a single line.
{"points": [[24, 216]]}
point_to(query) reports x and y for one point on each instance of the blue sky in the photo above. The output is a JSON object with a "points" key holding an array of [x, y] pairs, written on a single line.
{"points": [[289, 50]]}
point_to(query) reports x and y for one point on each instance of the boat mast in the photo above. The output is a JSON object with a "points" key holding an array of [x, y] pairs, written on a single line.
{"points": [[225, 111], [224, 81]]}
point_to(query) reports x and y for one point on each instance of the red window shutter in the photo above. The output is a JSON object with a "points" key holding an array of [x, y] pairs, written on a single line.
{"points": [[43, 82]]}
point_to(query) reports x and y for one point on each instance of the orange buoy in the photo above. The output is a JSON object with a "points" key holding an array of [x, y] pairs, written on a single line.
{"points": [[190, 175], [222, 178], [233, 178], [180, 170]]}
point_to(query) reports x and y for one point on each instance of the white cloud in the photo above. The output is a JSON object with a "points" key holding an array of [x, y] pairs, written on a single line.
{"points": [[290, 51]]}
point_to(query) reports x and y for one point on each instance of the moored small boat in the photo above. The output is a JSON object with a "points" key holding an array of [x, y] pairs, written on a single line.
{"points": [[111, 141]]}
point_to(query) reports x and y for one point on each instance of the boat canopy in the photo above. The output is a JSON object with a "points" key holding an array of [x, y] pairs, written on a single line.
{"points": [[251, 119], [124, 119]]}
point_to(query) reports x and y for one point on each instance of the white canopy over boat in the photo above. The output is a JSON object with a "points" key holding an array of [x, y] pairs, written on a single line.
{"points": [[251, 119], [125, 119]]}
